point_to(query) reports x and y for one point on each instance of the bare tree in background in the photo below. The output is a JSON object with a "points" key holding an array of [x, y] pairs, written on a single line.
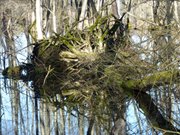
{"points": [[154, 24]]}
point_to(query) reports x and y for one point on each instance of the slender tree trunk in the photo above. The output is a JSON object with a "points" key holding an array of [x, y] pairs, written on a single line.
{"points": [[81, 122], [1, 103], [36, 115], [62, 118], [41, 118], [0, 111], [28, 38], [119, 127], [82, 15], [27, 113], [99, 5], [90, 127], [176, 11], [62, 122], [16, 109], [39, 19], [33, 117], [54, 16], [115, 10], [22, 124], [47, 119], [56, 123], [69, 124], [118, 4]]}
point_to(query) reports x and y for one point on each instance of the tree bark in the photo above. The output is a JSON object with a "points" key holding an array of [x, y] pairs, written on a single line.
{"points": [[1, 114], [47, 119], [36, 115], [82, 15], [39, 19]]}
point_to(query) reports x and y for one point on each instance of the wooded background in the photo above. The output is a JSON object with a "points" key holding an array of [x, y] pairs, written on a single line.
{"points": [[136, 85]]}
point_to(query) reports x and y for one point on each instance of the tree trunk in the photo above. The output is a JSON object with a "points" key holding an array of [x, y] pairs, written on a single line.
{"points": [[22, 121], [1, 114], [56, 122], [82, 15], [39, 19], [36, 115], [27, 113], [80, 122], [33, 122], [16, 109], [47, 119], [119, 127], [42, 118], [62, 119], [69, 124], [54, 16]]}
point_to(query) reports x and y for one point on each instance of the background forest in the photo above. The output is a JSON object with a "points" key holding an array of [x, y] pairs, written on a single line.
{"points": [[94, 67]]}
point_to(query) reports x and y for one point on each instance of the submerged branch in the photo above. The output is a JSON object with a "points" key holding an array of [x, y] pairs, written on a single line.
{"points": [[152, 112], [136, 89]]}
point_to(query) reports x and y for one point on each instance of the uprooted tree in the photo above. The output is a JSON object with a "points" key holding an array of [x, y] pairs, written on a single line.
{"points": [[99, 70]]}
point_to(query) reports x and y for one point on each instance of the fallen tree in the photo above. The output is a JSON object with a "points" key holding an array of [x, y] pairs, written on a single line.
{"points": [[91, 67]]}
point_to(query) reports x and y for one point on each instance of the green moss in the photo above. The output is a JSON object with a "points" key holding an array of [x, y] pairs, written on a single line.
{"points": [[40, 70], [12, 72], [158, 78], [113, 78]]}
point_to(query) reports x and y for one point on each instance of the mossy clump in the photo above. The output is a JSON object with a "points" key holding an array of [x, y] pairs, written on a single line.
{"points": [[12, 72]]}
